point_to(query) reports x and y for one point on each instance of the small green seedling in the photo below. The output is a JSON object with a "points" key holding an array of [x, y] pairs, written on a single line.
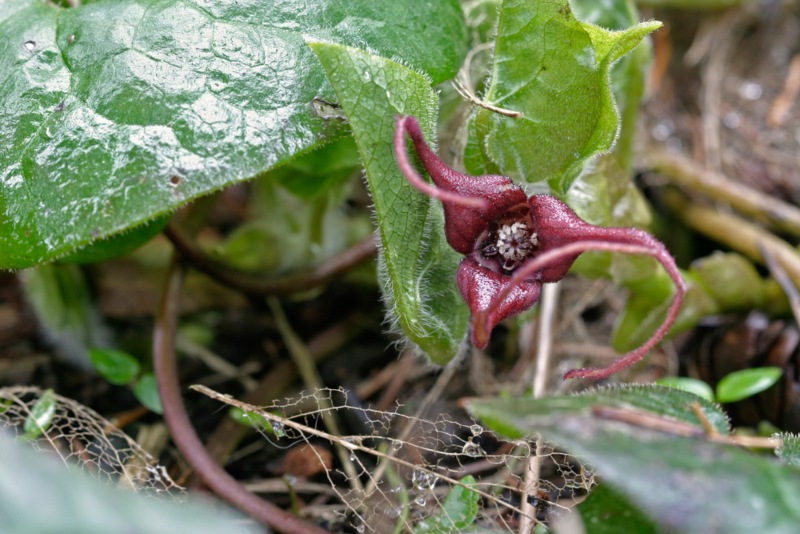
{"points": [[734, 387], [123, 369]]}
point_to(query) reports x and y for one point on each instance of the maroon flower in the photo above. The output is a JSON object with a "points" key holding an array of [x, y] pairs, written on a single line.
{"points": [[513, 244]]}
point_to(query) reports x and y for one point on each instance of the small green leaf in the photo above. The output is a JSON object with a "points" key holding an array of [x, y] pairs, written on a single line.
{"points": [[692, 385], [553, 69], [459, 511], [789, 450], [146, 391], [116, 366], [746, 383], [417, 263], [41, 416]]}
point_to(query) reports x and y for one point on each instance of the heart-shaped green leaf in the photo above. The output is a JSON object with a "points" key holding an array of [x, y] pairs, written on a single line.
{"points": [[554, 70], [118, 111], [417, 264]]}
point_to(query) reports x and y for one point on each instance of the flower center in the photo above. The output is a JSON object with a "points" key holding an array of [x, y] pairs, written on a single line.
{"points": [[514, 244]]}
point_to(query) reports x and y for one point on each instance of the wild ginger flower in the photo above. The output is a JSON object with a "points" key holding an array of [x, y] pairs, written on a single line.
{"points": [[512, 243]]}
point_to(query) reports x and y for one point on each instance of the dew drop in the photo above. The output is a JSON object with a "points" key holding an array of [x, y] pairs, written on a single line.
{"points": [[423, 480], [476, 430], [30, 45], [352, 457], [397, 445], [420, 501], [367, 76], [360, 529], [290, 480]]}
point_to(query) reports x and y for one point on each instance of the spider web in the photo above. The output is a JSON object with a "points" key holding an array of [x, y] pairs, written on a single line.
{"points": [[406, 465], [81, 437]]}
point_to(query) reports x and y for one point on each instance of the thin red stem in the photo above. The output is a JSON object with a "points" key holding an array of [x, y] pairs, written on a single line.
{"points": [[541, 261], [409, 124], [181, 427]]}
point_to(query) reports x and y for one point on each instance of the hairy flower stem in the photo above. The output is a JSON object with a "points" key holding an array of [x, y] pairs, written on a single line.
{"points": [[429, 160], [181, 427]]}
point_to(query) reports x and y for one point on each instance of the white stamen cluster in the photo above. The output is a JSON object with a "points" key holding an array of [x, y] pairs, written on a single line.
{"points": [[515, 243]]}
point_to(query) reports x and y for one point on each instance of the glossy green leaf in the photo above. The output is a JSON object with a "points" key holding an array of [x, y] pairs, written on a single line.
{"points": [[746, 383], [686, 485], [417, 264], [555, 71], [118, 111], [516, 416], [607, 512], [116, 366], [789, 450], [41, 416], [146, 391], [459, 511], [692, 385], [42, 496]]}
